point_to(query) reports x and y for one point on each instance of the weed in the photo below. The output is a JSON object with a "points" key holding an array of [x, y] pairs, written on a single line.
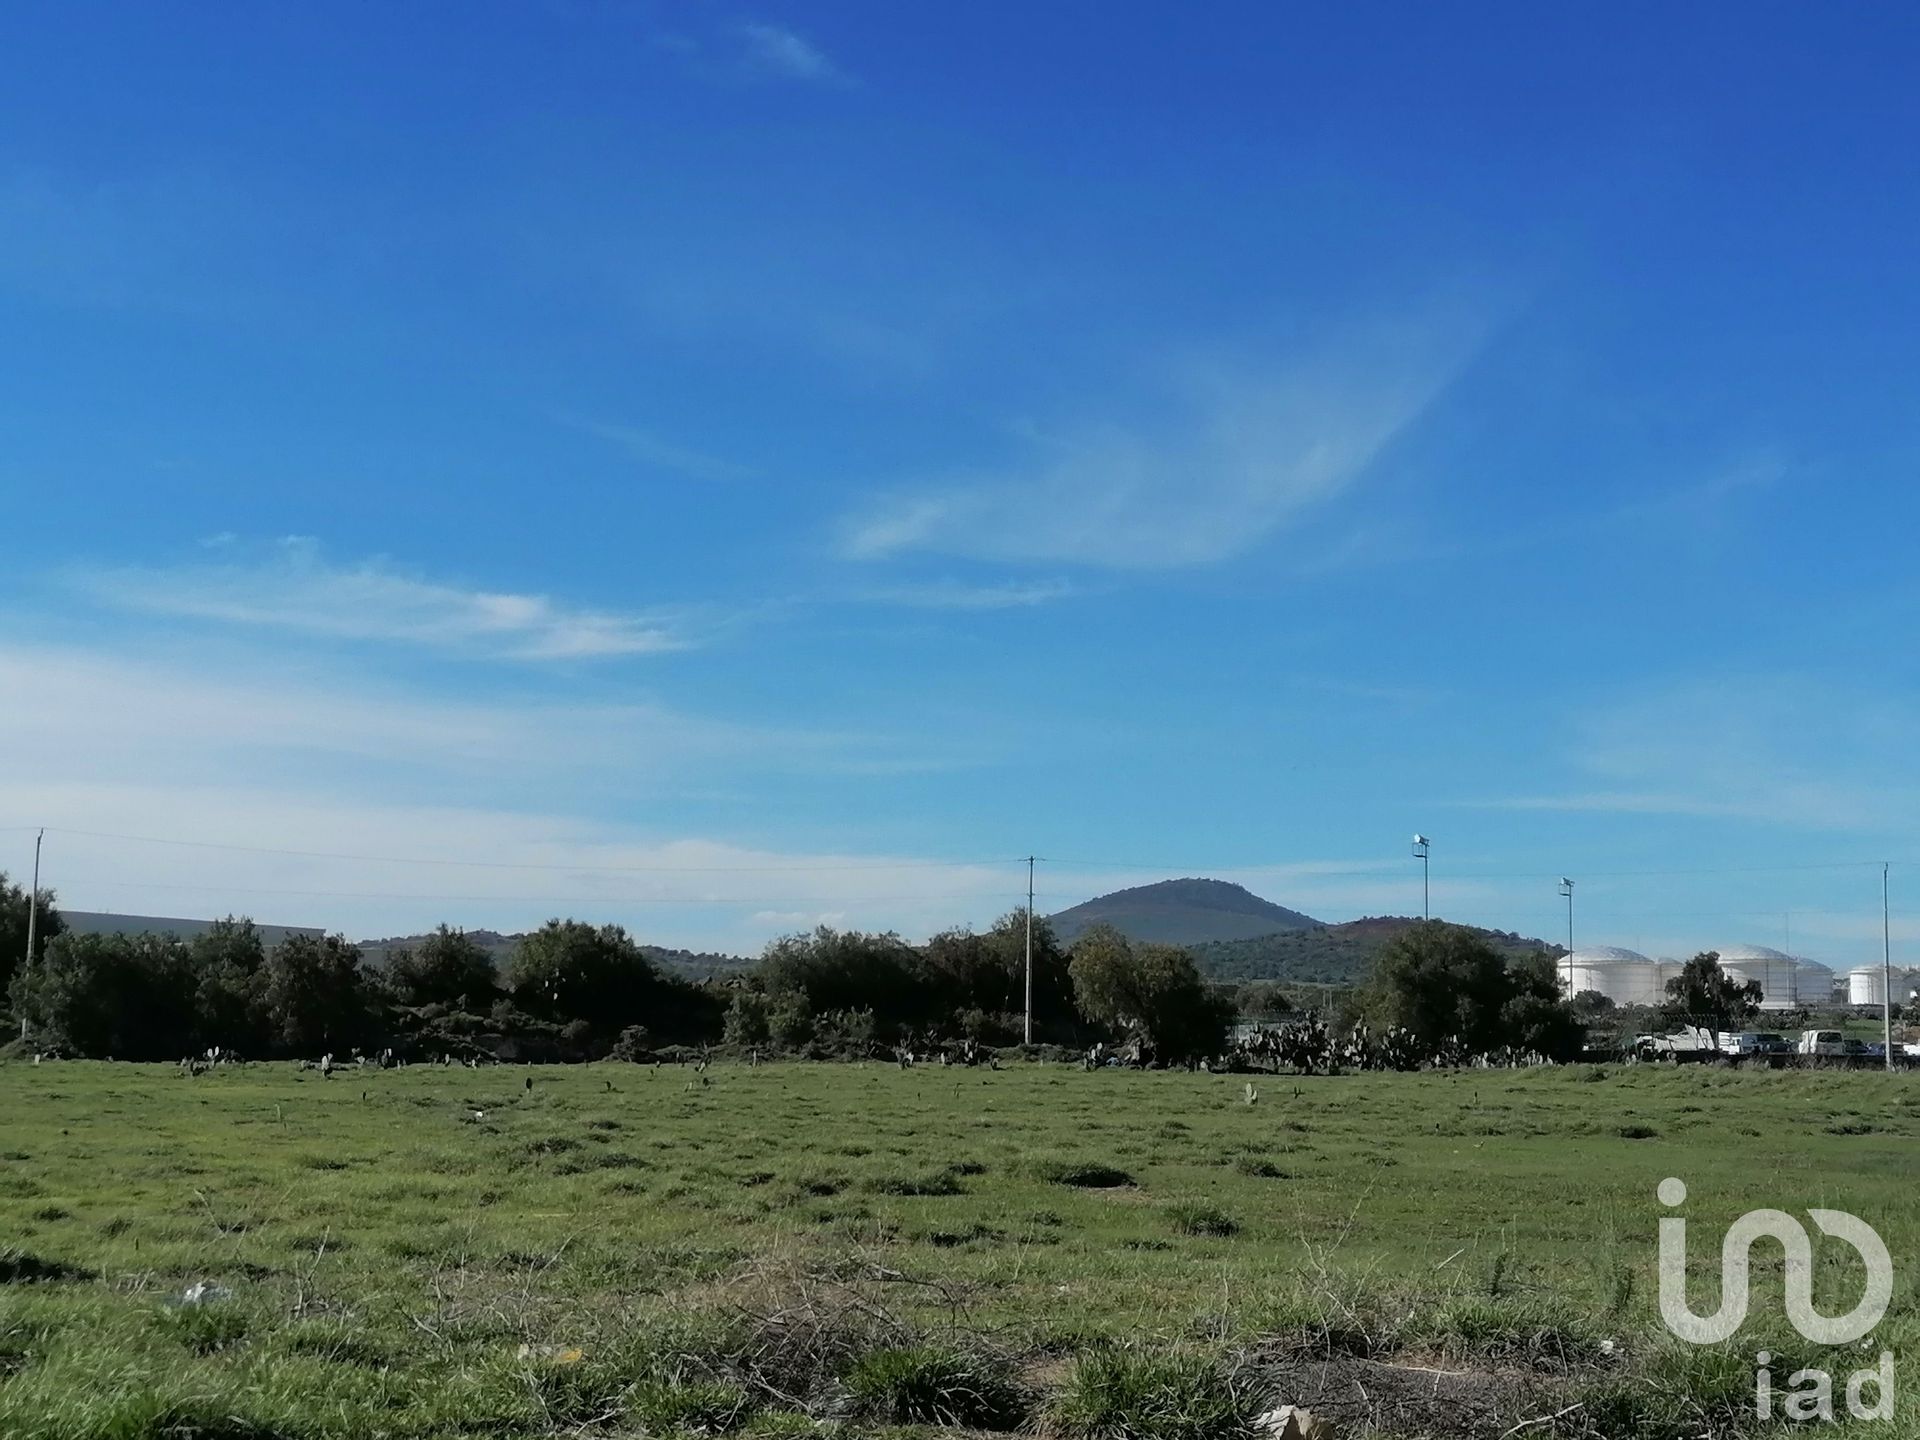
{"points": [[925, 1385]]}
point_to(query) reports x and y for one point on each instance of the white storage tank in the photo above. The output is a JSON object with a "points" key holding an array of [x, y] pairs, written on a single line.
{"points": [[1867, 985], [1812, 982], [1625, 977], [1772, 969]]}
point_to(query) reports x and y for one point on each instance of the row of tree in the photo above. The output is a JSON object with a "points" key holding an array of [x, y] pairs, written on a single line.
{"points": [[572, 990]]}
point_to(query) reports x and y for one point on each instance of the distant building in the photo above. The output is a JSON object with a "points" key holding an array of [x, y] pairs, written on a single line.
{"points": [[96, 922]]}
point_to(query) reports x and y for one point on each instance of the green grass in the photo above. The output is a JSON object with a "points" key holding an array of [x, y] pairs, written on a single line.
{"points": [[1106, 1253]]}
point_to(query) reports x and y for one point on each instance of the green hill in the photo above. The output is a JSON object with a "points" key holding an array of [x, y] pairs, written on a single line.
{"points": [[1181, 912], [1328, 954]]}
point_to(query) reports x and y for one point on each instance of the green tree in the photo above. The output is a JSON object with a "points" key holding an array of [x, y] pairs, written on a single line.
{"points": [[849, 970], [1704, 994], [314, 997], [570, 970], [127, 996], [1262, 1000], [227, 959], [745, 1023], [446, 968], [1444, 983], [13, 927], [1155, 991], [988, 973]]}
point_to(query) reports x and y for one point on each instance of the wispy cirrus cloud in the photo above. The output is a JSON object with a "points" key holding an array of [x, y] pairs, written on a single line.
{"points": [[381, 807], [1238, 454], [656, 452], [776, 51], [1778, 749], [293, 587], [959, 595]]}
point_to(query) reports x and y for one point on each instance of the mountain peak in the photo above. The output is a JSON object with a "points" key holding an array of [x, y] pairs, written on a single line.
{"points": [[1188, 911]]}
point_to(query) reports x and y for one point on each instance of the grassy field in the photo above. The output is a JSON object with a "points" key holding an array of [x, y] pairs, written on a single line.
{"points": [[622, 1250]]}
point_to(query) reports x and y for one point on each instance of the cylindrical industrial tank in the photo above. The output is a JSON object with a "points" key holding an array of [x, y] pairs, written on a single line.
{"points": [[1867, 985], [1812, 982], [1773, 969], [1625, 977]]}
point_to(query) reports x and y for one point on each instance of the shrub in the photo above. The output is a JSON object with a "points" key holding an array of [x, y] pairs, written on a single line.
{"points": [[707, 1408], [925, 1385], [1118, 1394], [1193, 1218]]}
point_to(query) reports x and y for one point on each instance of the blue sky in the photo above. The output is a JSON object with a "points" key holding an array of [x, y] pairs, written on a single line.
{"points": [[721, 468]]}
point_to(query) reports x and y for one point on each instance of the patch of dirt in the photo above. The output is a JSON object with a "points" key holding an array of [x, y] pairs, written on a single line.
{"points": [[17, 1267], [1405, 1397]]}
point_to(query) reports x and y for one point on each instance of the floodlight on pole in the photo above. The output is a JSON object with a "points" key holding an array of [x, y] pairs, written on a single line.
{"points": [[1566, 889], [1026, 1027], [1420, 844], [1886, 961]]}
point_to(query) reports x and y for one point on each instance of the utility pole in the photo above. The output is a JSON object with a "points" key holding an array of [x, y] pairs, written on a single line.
{"points": [[1886, 960], [33, 914], [1027, 1028]]}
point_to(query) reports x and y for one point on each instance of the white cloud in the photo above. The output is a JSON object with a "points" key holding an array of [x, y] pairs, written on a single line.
{"points": [[957, 595], [295, 588], [490, 813], [656, 452], [1781, 749], [774, 50], [1241, 454]]}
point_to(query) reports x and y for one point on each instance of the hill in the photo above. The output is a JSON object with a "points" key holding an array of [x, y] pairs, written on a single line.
{"points": [[1329, 954], [98, 922], [1182, 912]]}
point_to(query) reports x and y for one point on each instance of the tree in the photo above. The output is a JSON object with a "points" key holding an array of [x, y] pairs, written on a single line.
{"points": [[447, 968], [1445, 984], [227, 959], [1535, 1017], [1592, 1004], [1154, 991], [1704, 994], [13, 927], [569, 970], [969, 972], [1263, 1000], [849, 970], [128, 996], [745, 1023], [313, 996]]}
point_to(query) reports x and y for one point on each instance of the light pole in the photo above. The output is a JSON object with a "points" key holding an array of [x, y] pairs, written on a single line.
{"points": [[1566, 889], [33, 914], [1426, 892], [1027, 1024], [1886, 961]]}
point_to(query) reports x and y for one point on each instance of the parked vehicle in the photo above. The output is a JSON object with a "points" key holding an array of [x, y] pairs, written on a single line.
{"points": [[1822, 1042], [1741, 1043], [1689, 1042], [1771, 1044]]}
